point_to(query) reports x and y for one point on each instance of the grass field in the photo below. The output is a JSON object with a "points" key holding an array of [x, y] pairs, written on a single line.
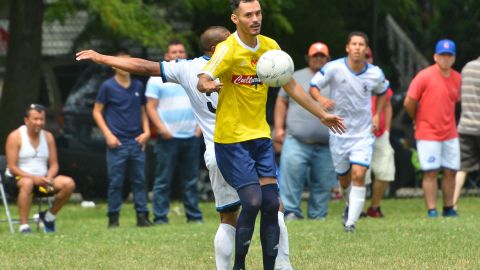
{"points": [[404, 239]]}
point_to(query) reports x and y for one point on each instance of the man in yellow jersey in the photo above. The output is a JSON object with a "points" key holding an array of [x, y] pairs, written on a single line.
{"points": [[243, 147]]}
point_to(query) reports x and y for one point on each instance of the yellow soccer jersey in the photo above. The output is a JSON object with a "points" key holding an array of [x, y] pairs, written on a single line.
{"points": [[241, 106]]}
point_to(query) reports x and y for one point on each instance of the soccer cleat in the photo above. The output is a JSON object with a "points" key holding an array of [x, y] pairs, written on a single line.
{"points": [[449, 213], [345, 216], [432, 213], [374, 212], [48, 226], [350, 228]]}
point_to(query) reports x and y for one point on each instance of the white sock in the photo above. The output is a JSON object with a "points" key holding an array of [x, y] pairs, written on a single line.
{"points": [[23, 227], [224, 244], [283, 247], [357, 200], [49, 216], [346, 193]]}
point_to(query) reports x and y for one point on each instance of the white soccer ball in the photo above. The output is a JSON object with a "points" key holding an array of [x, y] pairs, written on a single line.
{"points": [[275, 68]]}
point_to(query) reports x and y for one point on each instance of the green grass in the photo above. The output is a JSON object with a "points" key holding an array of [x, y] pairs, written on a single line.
{"points": [[404, 239]]}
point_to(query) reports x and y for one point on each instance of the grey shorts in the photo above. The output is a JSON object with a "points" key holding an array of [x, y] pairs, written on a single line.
{"points": [[469, 152]]}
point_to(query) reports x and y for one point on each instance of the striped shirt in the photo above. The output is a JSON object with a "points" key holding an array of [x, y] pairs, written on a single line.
{"points": [[470, 118], [174, 108]]}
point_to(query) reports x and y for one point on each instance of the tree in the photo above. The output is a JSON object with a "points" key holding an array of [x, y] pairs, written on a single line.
{"points": [[23, 63]]}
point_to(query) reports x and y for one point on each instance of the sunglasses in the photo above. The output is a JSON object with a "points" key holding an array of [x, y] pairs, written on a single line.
{"points": [[36, 106]]}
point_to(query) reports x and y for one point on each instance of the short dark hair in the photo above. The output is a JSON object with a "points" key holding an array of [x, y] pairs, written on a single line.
{"points": [[235, 3], [174, 42], [121, 51], [357, 34], [34, 106], [211, 37]]}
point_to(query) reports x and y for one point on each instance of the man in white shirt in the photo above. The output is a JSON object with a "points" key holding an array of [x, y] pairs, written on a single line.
{"points": [[32, 162]]}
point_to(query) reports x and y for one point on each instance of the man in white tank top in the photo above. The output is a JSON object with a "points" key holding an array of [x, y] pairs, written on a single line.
{"points": [[32, 162]]}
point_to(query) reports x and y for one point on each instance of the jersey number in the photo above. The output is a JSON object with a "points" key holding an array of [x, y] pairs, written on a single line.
{"points": [[210, 106]]}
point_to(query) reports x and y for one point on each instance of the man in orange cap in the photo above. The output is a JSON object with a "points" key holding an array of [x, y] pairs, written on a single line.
{"points": [[305, 151]]}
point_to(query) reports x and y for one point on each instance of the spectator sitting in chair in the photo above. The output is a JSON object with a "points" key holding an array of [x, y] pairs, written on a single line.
{"points": [[32, 161]]}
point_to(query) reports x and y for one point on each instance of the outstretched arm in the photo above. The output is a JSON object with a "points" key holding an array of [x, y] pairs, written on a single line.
{"points": [[333, 122], [132, 65]]}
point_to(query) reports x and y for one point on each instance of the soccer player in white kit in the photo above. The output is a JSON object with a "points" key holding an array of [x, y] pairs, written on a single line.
{"points": [[352, 81], [184, 72]]}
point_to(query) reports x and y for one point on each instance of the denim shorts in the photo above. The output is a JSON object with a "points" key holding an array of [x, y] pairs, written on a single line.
{"points": [[243, 163]]}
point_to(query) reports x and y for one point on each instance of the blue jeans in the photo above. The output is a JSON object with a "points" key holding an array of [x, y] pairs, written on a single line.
{"points": [[302, 162], [181, 156], [131, 158]]}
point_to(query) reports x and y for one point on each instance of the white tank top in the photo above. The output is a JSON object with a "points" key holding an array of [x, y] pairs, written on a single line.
{"points": [[31, 160]]}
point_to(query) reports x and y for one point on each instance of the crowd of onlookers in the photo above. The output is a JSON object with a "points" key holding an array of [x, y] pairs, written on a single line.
{"points": [[301, 142]]}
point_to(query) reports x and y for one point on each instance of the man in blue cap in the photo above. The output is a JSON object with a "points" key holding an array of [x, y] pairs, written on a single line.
{"points": [[430, 102]]}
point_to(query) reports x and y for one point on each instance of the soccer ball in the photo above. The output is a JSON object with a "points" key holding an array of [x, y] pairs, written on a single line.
{"points": [[275, 68]]}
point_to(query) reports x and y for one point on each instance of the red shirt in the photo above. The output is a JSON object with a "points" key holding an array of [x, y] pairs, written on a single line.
{"points": [[436, 96], [381, 122]]}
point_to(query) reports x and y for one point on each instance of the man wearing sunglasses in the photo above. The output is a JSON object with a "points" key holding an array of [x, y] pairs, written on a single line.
{"points": [[32, 161]]}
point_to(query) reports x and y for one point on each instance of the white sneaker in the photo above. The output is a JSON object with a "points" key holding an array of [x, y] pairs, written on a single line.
{"points": [[283, 264]]}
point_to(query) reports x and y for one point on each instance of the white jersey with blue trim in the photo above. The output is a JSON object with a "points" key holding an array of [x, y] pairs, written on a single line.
{"points": [[184, 72], [352, 93]]}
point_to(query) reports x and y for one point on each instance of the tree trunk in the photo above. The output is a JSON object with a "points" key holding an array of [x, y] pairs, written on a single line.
{"points": [[23, 64]]}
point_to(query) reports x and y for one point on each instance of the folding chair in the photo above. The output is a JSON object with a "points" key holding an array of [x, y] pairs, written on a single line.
{"points": [[3, 167], [37, 197]]}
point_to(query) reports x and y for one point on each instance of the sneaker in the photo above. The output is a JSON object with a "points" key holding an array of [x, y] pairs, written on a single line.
{"points": [[374, 212], [27, 230], [143, 221], [293, 216], [195, 221], [432, 213], [113, 220], [449, 213], [283, 264], [48, 226], [160, 221], [345, 216], [350, 228]]}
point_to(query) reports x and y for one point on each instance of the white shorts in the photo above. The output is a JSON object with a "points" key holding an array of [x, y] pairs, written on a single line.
{"points": [[226, 196], [351, 150], [434, 155], [383, 161]]}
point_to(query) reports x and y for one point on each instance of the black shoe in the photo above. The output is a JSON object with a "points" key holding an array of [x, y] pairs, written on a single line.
{"points": [[113, 220], [142, 220]]}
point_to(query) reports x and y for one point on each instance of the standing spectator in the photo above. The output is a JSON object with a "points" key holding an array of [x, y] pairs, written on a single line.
{"points": [[178, 145], [305, 151], [119, 112], [352, 81], [469, 127], [383, 163], [32, 163], [430, 102]]}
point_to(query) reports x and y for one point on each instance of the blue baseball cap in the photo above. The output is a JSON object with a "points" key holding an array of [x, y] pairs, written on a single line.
{"points": [[445, 46]]}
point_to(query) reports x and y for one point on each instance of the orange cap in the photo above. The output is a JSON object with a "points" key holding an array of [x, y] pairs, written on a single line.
{"points": [[318, 47]]}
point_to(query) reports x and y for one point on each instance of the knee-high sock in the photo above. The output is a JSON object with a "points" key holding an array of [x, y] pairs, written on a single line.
{"points": [[357, 200], [223, 243], [269, 229], [283, 247], [251, 200]]}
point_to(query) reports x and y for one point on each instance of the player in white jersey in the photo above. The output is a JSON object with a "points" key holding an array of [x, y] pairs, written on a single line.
{"points": [[352, 81], [184, 72]]}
